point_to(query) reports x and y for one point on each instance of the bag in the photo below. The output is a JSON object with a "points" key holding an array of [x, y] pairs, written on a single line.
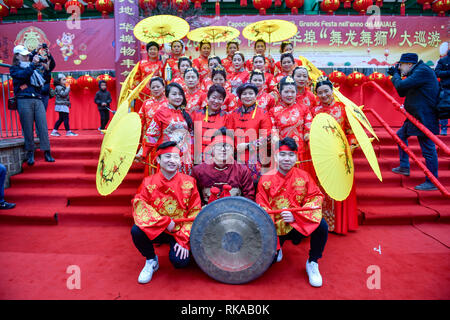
{"points": [[12, 103], [443, 105]]}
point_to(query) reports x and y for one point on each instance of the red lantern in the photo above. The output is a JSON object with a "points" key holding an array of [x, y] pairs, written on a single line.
{"points": [[197, 3], [243, 3], [294, 5], [39, 6], [86, 82], [107, 78], [329, 6], [403, 8], [105, 7], [217, 8], [337, 77], [378, 77], [72, 82], [356, 79], [180, 5], [3, 12], [147, 5], [362, 5], [426, 4], [13, 5], [74, 3], [262, 5], [440, 7], [58, 4], [347, 3]]}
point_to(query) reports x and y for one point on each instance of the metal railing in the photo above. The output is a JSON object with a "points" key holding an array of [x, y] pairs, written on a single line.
{"points": [[399, 107], [9, 119]]}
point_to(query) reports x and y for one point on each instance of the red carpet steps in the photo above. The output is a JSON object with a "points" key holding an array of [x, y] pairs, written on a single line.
{"points": [[65, 191]]}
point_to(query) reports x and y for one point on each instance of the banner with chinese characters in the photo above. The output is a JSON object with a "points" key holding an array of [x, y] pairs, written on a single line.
{"points": [[126, 16], [85, 45], [347, 41]]}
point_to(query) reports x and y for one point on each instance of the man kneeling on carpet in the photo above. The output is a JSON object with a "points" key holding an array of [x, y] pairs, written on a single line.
{"points": [[161, 198], [290, 187]]}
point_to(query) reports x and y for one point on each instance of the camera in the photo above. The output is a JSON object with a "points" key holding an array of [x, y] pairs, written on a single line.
{"points": [[44, 46], [42, 59]]}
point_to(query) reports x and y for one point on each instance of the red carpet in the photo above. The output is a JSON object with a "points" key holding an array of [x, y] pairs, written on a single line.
{"points": [[60, 220]]}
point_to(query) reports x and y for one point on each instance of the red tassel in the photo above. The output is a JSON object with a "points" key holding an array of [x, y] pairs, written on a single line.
{"points": [[294, 10], [214, 193], [90, 6], [197, 5], [402, 9], [426, 6], [226, 190], [243, 3], [262, 12], [39, 16], [217, 8], [379, 3], [58, 6], [277, 3], [347, 4], [13, 10]]}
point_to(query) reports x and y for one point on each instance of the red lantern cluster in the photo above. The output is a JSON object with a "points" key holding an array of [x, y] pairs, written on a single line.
{"points": [[198, 3], [13, 5], [337, 77], [426, 4], [3, 12], [441, 7], [356, 79], [262, 5], [362, 5], [330, 6], [58, 4], [180, 5], [147, 5], [86, 82], [73, 3], [294, 5], [378, 77], [105, 7], [107, 78]]}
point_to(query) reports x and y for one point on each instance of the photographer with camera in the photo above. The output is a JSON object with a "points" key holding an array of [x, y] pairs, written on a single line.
{"points": [[47, 66], [421, 89], [28, 82]]}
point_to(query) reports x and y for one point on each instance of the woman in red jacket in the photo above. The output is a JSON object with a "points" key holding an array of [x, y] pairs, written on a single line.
{"points": [[201, 63], [263, 99], [240, 75], [196, 98]]}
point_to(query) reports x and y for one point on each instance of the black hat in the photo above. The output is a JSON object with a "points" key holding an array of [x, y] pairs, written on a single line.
{"points": [[409, 58]]}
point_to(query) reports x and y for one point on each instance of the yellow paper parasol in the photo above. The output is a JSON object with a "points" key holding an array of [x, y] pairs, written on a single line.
{"points": [[364, 142], [117, 155], [270, 30], [214, 34], [120, 113], [359, 115], [127, 84], [331, 156], [161, 29], [313, 72], [133, 94]]}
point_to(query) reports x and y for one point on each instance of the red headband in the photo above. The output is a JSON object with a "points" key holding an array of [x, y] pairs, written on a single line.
{"points": [[285, 148], [222, 139], [173, 149]]}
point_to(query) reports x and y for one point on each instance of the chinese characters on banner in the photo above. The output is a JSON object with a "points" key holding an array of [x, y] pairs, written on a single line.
{"points": [[126, 16]]}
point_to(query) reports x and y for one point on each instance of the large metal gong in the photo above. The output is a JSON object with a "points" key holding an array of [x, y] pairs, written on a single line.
{"points": [[233, 240]]}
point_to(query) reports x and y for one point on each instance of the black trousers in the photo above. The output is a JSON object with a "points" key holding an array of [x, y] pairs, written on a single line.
{"points": [[145, 246], [318, 240], [63, 117], [104, 118]]}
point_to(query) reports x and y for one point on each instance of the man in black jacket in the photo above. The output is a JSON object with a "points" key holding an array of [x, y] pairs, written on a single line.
{"points": [[421, 90], [442, 71]]}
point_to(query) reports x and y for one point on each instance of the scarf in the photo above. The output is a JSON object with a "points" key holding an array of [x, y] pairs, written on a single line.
{"points": [[36, 80]]}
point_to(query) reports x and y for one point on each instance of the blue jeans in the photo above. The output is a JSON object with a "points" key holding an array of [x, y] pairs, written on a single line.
{"points": [[32, 111], [145, 246], [428, 152], [2, 182]]}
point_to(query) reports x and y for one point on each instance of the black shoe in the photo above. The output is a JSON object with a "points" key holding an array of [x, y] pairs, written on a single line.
{"points": [[6, 205], [30, 158], [401, 170], [426, 186], [48, 157]]}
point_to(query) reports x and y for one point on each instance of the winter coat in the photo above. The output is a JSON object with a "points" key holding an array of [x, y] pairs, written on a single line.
{"points": [[22, 82], [102, 97], [421, 90], [442, 71], [62, 96]]}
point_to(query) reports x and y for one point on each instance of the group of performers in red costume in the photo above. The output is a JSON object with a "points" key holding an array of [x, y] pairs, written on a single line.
{"points": [[216, 127]]}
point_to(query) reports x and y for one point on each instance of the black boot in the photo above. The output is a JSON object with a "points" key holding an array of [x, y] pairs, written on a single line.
{"points": [[30, 158], [48, 156]]}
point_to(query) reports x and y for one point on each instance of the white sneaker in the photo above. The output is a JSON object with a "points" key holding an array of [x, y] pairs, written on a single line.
{"points": [[71, 134], [146, 274], [55, 133], [312, 269], [280, 255]]}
